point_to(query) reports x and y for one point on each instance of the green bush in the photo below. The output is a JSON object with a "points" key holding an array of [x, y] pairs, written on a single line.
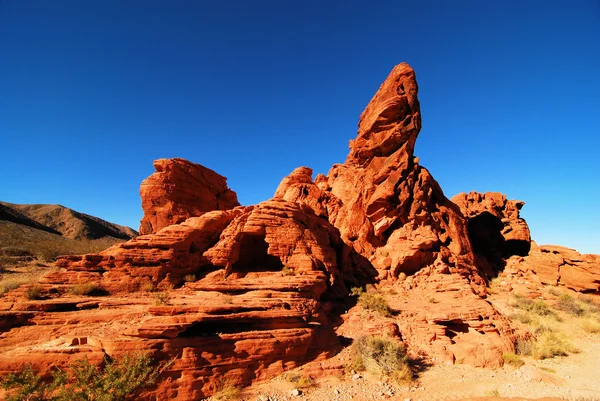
{"points": [[117, 380], [382, 357]]}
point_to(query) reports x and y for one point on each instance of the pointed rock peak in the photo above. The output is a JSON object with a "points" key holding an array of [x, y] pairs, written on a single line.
{"points": [[392, 119], [300, 175]]}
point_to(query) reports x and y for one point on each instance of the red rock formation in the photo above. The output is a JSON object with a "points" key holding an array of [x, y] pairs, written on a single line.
{"points": [[557, 266], [253, 291], [499, 212], [180, 189], [391, 211], [256, 305]]}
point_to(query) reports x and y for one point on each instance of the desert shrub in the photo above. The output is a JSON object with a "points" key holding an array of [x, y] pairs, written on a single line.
{"points": [[300, 381], [590, 305], [512, 359], [554, 291], [226, 390], [117, 380], [148, 286], [547, 345], [33, 292], [11, 283], [288, 271], [162, 298], [591, 325], [382, 357], [538, 307], [568, 304], [372, 301], [190, 278], [86, 289]]}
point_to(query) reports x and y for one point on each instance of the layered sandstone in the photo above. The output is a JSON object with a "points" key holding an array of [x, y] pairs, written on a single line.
{"points": [[180, 189]]}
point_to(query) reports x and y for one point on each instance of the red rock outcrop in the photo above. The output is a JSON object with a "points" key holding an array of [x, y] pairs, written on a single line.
{"points": [[259, 302], [479, 208], [391, 211], [180, 189], [558, 266]]}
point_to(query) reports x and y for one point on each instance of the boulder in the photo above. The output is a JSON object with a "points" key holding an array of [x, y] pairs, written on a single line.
{"points": [[180, 189]]}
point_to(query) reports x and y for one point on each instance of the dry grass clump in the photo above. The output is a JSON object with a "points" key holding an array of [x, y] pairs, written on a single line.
{"points": [[190, 278], [227, 391], [148, 286], [372, 301], [20, 276], [33, 292], [288, 271], [86, 289], [538, 307], [512, 359], [162, 298], [568, 304], [547, 345], [12, 283], [591, 325], [381, 357], [300, 381]]}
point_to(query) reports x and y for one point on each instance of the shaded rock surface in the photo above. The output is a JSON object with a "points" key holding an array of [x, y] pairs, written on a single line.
{"points": [[180, 189]]}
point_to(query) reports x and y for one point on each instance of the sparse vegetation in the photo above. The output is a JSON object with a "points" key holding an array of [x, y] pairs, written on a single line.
{"points": [[148, 286], [161, 298], [190, 278], [45, 246], [568, 304], [547, 345], [89, 288], [591, 325], [538, 307], [116, 380], [382, 357], [288, 271], [33, 292], [227, 391], [19, 276], [372, 301], [300, 381], [512, 359]]}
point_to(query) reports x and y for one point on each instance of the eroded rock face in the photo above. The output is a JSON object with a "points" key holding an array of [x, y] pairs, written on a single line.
{"points": [[558, 266], [258, 304], [493, 218], [391, 211], [180, 189]]}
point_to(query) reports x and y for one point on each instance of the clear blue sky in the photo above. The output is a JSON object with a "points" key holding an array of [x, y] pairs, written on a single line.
{"points": [[91, 92]]}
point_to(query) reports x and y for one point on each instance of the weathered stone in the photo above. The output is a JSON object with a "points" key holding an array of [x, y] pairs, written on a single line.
{"points": [[180, 189]]}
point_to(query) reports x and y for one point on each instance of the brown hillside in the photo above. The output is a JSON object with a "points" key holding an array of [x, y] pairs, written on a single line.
{"points": [[70, 223]]}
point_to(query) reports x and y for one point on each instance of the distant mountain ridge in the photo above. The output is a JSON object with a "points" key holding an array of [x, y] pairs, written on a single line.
{"points": [[63, 221]]}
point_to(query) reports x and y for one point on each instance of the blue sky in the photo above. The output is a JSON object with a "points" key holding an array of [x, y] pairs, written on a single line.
{"points": [[91, 92]]}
